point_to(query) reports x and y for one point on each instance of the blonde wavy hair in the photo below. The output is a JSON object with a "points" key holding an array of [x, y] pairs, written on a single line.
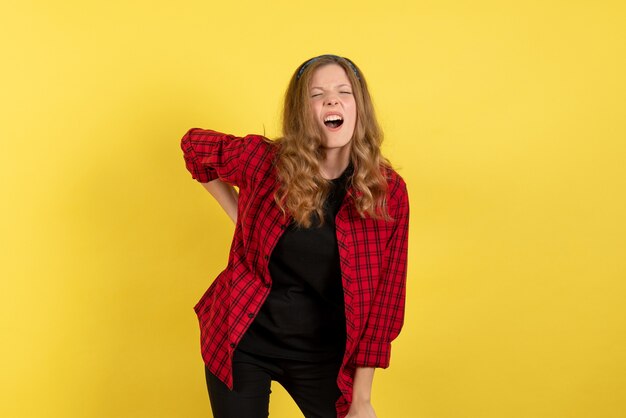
{"points": [[302, 190]]}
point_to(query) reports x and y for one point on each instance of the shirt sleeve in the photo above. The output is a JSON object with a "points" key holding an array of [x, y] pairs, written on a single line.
{"points": [[387, 311], [210, 155]]}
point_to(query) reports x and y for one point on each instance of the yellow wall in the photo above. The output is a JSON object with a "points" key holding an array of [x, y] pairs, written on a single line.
{"points": [[507, 120]]}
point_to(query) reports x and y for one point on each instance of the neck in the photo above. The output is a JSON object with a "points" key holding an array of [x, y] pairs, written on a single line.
{"points": [[335, 162]]}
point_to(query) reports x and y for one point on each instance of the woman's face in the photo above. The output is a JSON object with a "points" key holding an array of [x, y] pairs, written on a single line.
{"points": [[333, 105]]}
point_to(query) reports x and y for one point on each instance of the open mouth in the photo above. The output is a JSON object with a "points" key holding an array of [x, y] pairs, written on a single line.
{"points": [[333, 121]]}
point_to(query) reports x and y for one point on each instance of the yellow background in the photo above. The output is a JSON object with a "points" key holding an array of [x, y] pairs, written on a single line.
{"points": [[506, 119]]}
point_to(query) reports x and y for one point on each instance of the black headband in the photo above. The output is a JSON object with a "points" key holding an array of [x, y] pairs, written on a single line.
{"points": [[306, 64]]}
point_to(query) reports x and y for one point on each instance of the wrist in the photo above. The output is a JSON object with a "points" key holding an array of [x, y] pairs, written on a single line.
{"points": [[362, 387], [361, 398]]}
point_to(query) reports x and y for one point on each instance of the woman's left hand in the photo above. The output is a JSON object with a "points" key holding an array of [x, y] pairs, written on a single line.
{"points": [[361, 410]]}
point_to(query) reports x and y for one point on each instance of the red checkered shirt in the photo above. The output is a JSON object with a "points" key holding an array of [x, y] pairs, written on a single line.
{"points": [[373, 258]]}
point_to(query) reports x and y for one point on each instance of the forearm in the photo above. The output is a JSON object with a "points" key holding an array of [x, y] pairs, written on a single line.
{"points": [[226, 196], [362, 386]]}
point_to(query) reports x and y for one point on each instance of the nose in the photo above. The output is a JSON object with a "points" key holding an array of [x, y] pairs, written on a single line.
{"points": [[332, 100]]}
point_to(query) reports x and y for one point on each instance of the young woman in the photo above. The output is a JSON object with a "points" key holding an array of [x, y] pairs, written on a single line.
{"points": [[314, 290]]}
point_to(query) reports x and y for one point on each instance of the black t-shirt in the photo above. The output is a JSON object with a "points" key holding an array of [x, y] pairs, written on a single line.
{"points": [[303, 316]]}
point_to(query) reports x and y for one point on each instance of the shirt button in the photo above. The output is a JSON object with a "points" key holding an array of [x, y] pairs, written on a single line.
{"points": [[266, 257], [232, 345], [283, 226], [250, 315], [267, 285]]}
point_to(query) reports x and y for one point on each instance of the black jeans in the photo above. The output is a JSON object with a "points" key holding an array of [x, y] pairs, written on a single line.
{"points": [[313, 386]]}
